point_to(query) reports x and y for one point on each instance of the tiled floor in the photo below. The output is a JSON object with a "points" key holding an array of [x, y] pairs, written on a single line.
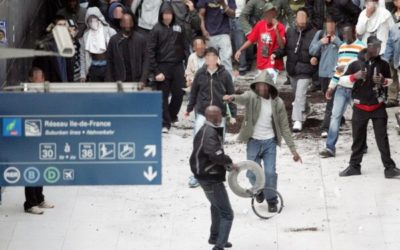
{"points": [[356, 213]]}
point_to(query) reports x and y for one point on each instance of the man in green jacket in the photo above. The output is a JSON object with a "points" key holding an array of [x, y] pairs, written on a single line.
{"points": [[254, 11], [263, 128]]}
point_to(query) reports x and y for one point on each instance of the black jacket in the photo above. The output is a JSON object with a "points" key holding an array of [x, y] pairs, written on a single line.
{"points": [[115, 58], [208, 161], [297, 52], [166, 43], [317, 12], [366, 92], [344, 11], [209, 90]]}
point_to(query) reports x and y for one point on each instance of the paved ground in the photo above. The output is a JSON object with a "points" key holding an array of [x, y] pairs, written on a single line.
{"points": [[322, 211]]}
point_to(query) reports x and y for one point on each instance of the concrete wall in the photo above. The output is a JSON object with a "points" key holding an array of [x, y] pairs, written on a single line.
{"points": [[25, 21]]}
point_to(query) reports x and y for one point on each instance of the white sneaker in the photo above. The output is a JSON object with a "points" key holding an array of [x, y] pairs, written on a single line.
{"points": [[297, 126], [165, 130], [45, 204], [34, 210], [324, 134]]}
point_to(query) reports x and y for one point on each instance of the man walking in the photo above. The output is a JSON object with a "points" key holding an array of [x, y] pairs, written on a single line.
{"points": [[340, 92], [127, 57], [300, 65], [166, 52]]}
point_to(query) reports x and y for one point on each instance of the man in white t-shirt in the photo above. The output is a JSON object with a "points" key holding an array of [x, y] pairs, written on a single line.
{"points": [[266, 124]]}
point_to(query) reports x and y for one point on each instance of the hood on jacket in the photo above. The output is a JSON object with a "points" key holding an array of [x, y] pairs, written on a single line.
{"points": [[112, 7], [265, 77], [219, 70], [94, 11], [164, 7]]}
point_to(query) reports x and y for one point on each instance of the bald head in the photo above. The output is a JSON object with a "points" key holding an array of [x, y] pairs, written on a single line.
{"points": [[214, 115]]}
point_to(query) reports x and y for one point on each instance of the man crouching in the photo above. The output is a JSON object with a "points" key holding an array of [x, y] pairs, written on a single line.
{"points": [[209, 163]]}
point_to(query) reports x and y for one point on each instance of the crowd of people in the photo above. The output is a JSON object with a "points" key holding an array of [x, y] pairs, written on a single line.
{"points": [[348, 49]]}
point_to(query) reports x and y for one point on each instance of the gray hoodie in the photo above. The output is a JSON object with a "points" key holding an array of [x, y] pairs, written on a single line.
{"points": [[85, 58], [252, 102], [148, 10]]}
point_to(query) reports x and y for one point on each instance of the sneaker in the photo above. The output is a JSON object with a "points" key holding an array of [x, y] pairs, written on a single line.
{"points": [[392, 172], [272, 208], [165, 130], [193, 183], [260, 197], [324, 134], [34, 210], [213, 242], [326, 153], [45, 204], [349, 171], [297, 126]]}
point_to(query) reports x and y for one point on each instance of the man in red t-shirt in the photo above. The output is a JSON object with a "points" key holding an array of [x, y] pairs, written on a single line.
{"points": [[269, 34]]}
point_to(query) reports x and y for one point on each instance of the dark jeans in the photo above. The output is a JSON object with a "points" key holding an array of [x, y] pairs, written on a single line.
{"points": [[173, 85], [34, 196], [221, 212], [360, 123], [239, 38], [97, 73], [324, 81]]}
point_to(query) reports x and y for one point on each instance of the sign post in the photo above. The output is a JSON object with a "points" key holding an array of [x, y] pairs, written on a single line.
{"points": [[80, 139]]}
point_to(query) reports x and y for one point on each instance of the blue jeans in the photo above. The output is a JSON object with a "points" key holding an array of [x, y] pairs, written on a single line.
{"points": [[341, 100], [239, 38], [221, 212], [264, 150]]}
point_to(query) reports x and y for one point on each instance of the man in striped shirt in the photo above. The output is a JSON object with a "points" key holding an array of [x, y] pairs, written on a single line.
{"points": [[348, 52]]}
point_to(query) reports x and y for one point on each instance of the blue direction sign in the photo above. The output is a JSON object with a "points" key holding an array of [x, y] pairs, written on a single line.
{"points": [[80, 139]]}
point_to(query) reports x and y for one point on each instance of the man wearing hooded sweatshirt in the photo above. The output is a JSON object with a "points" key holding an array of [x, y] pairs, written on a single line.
{"points": [[93, 46], [186, 16], [265, 125], [375, 20], [166, 53], [127, 54]]}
